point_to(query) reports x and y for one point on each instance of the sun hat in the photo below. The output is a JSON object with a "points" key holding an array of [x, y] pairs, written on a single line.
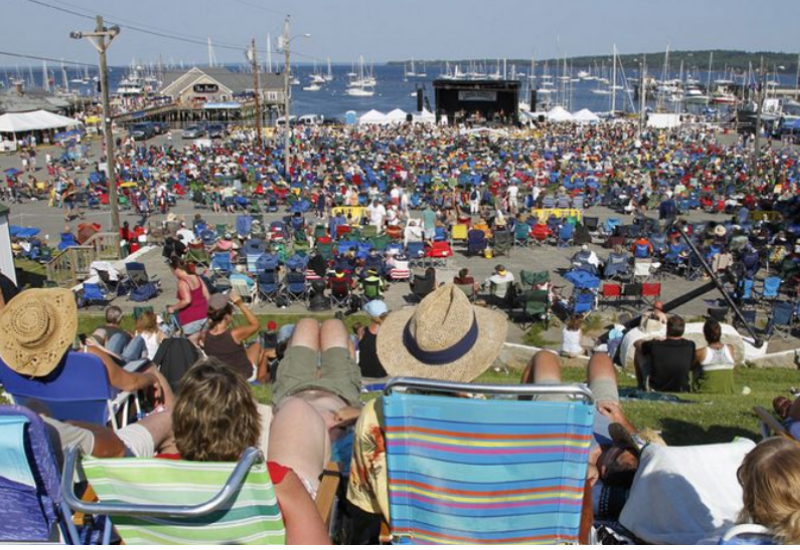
{"points": [[720, 231], [38, 327], [445, 338], [375, 308]]}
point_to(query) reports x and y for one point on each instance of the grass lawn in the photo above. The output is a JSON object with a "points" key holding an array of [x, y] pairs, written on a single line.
{"points": [[703, 419]]}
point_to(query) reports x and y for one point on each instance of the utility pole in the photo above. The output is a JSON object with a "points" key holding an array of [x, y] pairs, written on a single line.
{"points": [[256, 95], [101, 38], [642, 96], [287, 90], [759, 103]]}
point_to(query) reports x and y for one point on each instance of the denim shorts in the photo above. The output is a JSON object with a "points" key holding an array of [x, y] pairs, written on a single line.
{"points": [[194, 327]]}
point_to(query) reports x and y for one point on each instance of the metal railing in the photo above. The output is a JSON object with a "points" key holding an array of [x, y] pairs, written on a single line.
{"points": [[72, 265]]}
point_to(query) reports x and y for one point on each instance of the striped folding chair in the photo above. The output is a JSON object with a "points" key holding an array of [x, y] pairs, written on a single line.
{"points": [[154, 501], [486, 471]]}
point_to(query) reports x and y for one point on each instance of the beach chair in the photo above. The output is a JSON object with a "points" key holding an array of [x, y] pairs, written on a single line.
{"points": [[781, 321], [340, 292], [469, 290], [78, 389], [771, 289], [221, 264], [651, 292], [198, 256], [95, 293], [476, 242], [522, 234], [565, 235], [137, 275], [484, 471], [421, 286], [617, 267], [459, 233], [529, 280], [438, 253], [401, 271], [294, 286], [269, 286], [610, 294], [503, 242], [30, 483]]}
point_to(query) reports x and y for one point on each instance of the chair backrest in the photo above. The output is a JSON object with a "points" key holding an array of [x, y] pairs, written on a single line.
{"points": [[30, 488], [771, 287], [459, 232], [536, 301], [221, 261], [77, 389], [783, 313], [485, 471], [651, 290], [372, 289], [632, 290], [150, 501], [469, 290], [611, 290], [422, 286], [137, 272]]}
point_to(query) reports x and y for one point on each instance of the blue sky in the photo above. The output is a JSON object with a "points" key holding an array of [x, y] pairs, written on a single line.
{"points": [[383, 30]]}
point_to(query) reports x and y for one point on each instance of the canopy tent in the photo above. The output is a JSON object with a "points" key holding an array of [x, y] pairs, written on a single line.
{"points": [[424, 117], [559, 114], [35, 120], [585, 116], [373, 117], [398, 116]]}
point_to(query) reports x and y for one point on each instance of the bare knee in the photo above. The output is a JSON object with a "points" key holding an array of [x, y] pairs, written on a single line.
{"points": [[544, 367], [306, 334], [601, 366], [333, 334]]}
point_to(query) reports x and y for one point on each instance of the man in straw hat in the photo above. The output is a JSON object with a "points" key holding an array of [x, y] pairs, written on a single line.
{"points": [[445, 338], [39, 327]]}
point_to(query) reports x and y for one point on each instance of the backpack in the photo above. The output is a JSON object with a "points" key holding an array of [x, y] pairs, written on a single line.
{"points": [[144, 292], [473, 196]]}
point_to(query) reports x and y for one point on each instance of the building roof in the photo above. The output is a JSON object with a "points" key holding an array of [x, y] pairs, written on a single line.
{"points": [[31, 100], [235, 82]]}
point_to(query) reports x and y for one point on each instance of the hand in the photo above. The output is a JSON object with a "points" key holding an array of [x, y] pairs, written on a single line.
{"points": [[235, 298], [613, 411], [592, 475], [170, 310]]}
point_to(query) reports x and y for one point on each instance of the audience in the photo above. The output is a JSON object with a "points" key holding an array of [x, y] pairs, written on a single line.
{"points": [[665, 365]]}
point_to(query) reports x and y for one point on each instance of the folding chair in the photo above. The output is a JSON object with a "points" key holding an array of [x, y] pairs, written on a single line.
{"points": [[503, 242], [651, 292], [632, 293], [295, 286], [95, 293], [78, 389], [565, 234], [771, 289], [459, 234], [782, 319], [421, 287], [610, 294], [340, 292], [484, 471], [198, 256], [416, 254], [240, 287], [617, 267], [499, 292], [30, 484], [535, 307], [401, 271], [476, 242], [469, 290], [642, 269], [438, 253], [221, 264], [583, 302], [371, 290], [530, 280], [522, 234], [269, 286], [137, 275]]}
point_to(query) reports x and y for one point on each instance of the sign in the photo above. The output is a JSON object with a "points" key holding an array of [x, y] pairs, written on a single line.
{"points": [[477, 95], [205, 88]]}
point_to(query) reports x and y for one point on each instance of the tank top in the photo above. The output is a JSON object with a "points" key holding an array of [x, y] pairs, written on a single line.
{"points": [[716, 373], [197, 308], [368, 360], [223, 347]]}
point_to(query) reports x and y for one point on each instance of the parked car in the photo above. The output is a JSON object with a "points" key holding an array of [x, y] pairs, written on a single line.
{"points": [[281, 121], [311, 119], [193, 132], [216, 131], [142, 131], [161, 127]]}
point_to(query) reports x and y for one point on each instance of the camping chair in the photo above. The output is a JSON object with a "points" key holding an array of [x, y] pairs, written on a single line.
{"points": [[583, 302], [137, 275], [221, 264], [617, 267], [535, 307], [476, 242], [782, 319], [565, 234], [240, 287], [95, 293], [269, 285], [459, 233], [771, 289], [469, 290], [295, 286], [421, 287], [441, 447], [78, 389], [30, 484], [438, 253], [369, 232], [198, 256], [340, 292], [643, 269], [401, 271], [371, 290], [522, 234], [503, 242], [326, 251], [610, 294], [632, 293], [532, 279], [651, 292], [416, 253], [500, 292]]}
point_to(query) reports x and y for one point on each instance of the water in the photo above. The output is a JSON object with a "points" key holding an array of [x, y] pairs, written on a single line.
{"points": [[393, 90]]}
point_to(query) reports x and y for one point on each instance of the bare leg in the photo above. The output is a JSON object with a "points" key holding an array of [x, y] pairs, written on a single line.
{"points": [[333, 334], [299, 440], [306, 334], [601, 367], [543, 368]]}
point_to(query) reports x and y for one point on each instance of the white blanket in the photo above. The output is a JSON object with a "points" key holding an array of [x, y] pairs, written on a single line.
{"points": [[685, 495]]}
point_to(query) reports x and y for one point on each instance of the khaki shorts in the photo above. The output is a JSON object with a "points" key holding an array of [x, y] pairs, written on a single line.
{"points": [[333, 371], [602, 390]]}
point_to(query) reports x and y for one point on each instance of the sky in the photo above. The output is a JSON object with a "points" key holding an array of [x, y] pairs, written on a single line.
{"points": [[384, 30]]}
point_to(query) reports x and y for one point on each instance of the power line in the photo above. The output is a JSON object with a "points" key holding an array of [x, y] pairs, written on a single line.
{"points": [[259, 7], [39, 58]]}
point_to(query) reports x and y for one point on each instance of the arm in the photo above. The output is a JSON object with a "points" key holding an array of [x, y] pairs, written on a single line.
{"points": [[184, 297], [240, 334], [123, 380], [300, 516], [699, 357]]}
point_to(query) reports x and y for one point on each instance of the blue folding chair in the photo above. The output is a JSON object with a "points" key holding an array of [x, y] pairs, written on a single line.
{"points": [[565, 234], [78, 389], [295, 286], [30, 483], [221, 264], [486, 471], [244, 224], [771, 289], [67, 240], [269, 286], [95, 293], [781, 321]]}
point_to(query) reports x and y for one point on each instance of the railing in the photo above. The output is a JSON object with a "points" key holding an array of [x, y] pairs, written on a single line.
{"points": [[70, 266]]}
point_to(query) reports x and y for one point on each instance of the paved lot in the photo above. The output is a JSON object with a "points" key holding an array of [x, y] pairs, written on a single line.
{"points": [[51, 221]]}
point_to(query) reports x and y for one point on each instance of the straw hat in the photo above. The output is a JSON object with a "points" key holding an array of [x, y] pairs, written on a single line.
{"points": [[38, 327], [443, 338], [720, 231]]}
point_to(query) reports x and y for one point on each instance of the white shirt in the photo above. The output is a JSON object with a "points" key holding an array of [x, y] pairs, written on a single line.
{"points": [[571, 341], [376, 215], [513, 191]]}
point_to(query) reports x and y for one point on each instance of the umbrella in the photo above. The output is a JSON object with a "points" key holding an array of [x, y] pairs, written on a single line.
{"points": [[13, 171]]}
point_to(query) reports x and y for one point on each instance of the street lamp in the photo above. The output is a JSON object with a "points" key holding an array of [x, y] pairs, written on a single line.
{"points": [[101, 39], [286, 93]]}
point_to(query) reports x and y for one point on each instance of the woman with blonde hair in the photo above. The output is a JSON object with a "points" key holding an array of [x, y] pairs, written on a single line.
{"points": [[770, 479]]}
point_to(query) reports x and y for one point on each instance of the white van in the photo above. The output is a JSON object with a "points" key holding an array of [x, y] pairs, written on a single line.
{"points": [[311, 119]]}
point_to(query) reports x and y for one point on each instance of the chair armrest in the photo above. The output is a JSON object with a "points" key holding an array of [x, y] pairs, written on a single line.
{"points": [[326, 494]]}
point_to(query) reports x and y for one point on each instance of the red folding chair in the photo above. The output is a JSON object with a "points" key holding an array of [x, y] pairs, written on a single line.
{"points": [[610, 294], [651, 292]]}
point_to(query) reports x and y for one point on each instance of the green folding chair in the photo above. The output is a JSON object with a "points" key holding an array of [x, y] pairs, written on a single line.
{"points": [[369, 232], [153, 501]]}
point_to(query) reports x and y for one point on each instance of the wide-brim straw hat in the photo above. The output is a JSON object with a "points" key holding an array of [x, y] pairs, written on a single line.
{"points": [[720, 231], [444, 338], [38, 327]]}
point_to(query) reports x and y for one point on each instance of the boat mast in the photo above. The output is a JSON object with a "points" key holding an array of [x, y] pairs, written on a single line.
{"points": [[269, 53], [642, 95], [708, 82], [614, 80], [797, 80]]}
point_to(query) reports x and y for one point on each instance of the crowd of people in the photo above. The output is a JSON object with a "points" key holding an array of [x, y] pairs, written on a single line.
{"points": [[414, 186]]}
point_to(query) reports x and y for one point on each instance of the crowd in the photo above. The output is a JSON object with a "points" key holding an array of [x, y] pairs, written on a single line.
{"points": [[401, 191]]}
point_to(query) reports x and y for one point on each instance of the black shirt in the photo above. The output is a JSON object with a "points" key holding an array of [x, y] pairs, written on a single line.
{"points": [[368, 360], [670, 364]]}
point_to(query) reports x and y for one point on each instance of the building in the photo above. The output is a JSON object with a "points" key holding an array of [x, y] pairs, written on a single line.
{"points": [[219, 86], [18, 100]]}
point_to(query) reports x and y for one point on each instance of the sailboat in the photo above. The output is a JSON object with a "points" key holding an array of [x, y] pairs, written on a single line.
{"points": [[329, 77], [413, 72], [424, 72], [359, 86]]}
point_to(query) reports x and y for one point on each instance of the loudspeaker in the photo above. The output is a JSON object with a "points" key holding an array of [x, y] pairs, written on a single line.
{"points": [[409, 117], [419, 100], [533, 100]]}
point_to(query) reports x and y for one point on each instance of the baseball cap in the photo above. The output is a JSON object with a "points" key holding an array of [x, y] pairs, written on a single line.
{"points": [[218, 301], [375, 308]]}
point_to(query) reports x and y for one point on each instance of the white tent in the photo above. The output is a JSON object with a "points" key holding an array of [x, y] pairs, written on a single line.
{"points": [[35, 120], [559, 114], [373, 117], [398, 116], [585, 116], [424, 117]]}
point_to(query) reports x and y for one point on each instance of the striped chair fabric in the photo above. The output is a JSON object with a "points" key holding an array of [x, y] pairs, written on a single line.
{"points": [[485, 471], [251, 517]]}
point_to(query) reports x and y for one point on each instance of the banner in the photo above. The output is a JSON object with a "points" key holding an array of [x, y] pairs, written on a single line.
{"points": [[477, 95]]}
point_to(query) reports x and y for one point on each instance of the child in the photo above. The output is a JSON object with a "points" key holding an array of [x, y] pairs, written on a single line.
{"points": [[571, 338]]}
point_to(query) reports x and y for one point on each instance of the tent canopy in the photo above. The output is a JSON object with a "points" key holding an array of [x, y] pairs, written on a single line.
{"points": [[585, 115], [424, 117], [559, 114], [398, 115], [35, 120], [373, 117]]}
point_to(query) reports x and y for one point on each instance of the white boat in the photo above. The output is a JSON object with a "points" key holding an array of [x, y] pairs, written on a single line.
{"points": [[358, 87], [360, 92], [329, 77], [413, 72], [583, 75], [314, 87]]}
